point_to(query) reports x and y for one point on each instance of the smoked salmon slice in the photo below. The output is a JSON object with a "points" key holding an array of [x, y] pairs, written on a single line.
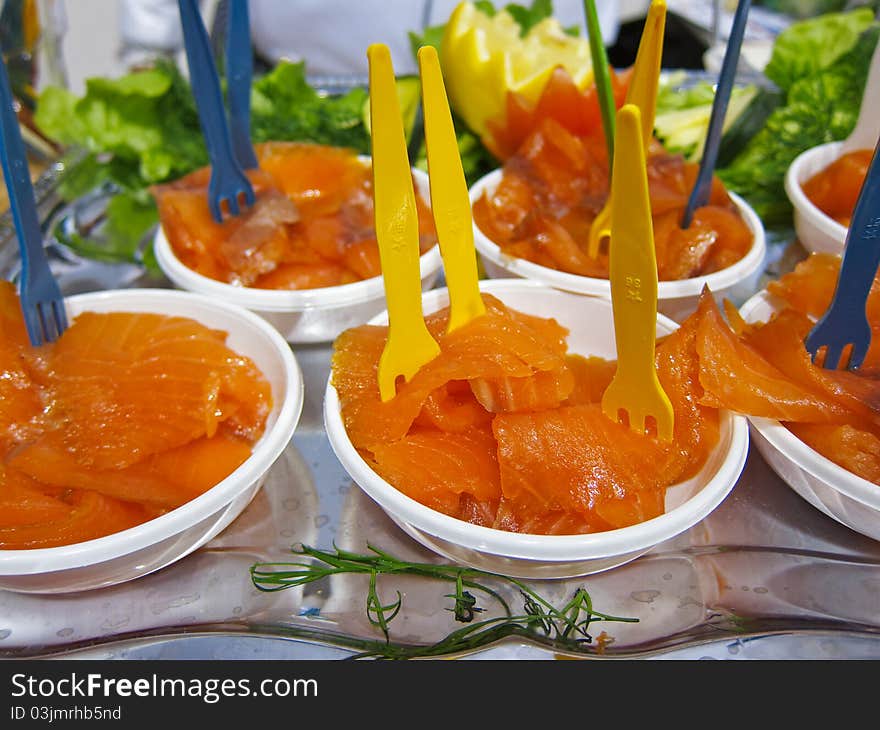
{"points": [[504, 428], [310, 227], [163, 480], [126, 416], [23, 502], [20, 402], [556, 182], [124, 386], [92, 515], [495, 346], [763, 369], [449, 465]]}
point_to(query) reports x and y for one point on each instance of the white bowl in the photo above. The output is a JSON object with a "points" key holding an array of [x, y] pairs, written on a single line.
{"points": [[161, 541], [815, 230], [675, 299], [303, 315], [840, 494], [590, 322]]}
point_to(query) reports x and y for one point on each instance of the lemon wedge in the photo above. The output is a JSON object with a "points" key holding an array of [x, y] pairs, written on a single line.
{"points": [[483, 57]]}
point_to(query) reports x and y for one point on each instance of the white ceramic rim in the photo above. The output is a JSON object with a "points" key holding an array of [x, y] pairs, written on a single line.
{"points": [[529, 546], [266, 450], [795, 178], [807, 458], [666, 290], [296, 300]]}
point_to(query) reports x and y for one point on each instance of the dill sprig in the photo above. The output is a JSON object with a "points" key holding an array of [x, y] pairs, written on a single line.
{"points": [[539, 619]]}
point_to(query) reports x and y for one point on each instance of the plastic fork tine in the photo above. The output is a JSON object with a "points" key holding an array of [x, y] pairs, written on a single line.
{"points": [[449, 196], [410, 344], [642, 93], [845, 321], [228, 181], [42, 303]]}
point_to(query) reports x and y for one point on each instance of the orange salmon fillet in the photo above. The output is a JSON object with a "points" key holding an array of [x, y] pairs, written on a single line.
{"points": [[124, 417]]}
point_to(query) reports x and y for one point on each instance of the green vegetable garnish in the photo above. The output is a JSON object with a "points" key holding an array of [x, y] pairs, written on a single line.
{"points": [[285, 107], [682, 117], [143, 129], [821, 66], [602, 77], [566, 627]]}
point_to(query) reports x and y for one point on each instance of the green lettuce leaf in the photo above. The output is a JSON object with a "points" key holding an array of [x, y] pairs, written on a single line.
{"points": [[285, 107], [821, 107], [809, 46]]}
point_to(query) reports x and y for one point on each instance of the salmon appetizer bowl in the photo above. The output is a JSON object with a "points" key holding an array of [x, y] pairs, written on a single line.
{"points": [[816, 230], [137, 436], [676, 297], [816, 428], [497, 454], [304, 257]]}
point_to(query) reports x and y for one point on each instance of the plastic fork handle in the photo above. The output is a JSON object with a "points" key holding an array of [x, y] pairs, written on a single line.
{"points": [[450, 203], [206, 87], [633, 271], [633, 262], [861, 252], [239, 71], [18, 179], [703, 184]]}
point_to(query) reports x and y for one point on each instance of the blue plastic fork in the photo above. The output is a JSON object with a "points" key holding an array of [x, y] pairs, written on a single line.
{"points": [[42, 303], [703, 184], [239, 71], [228, 182], [845, 322]]}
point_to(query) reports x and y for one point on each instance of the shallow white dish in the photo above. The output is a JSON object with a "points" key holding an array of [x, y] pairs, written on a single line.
{"points": [[840, 494], [675, 299], [161, 541], [590, 322], [816, 231], [303, 315]]}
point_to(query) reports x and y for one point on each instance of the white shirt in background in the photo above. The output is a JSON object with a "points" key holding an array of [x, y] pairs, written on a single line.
{"points": [[331, 37]]}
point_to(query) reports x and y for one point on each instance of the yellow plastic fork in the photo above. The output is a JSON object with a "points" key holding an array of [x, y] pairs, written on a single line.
{"points": [[635, 388], [450, 203], [642, 93], [409, 345]]}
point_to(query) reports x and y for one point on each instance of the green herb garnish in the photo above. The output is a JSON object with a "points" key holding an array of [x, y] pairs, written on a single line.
{"points": [[566, 627]]}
